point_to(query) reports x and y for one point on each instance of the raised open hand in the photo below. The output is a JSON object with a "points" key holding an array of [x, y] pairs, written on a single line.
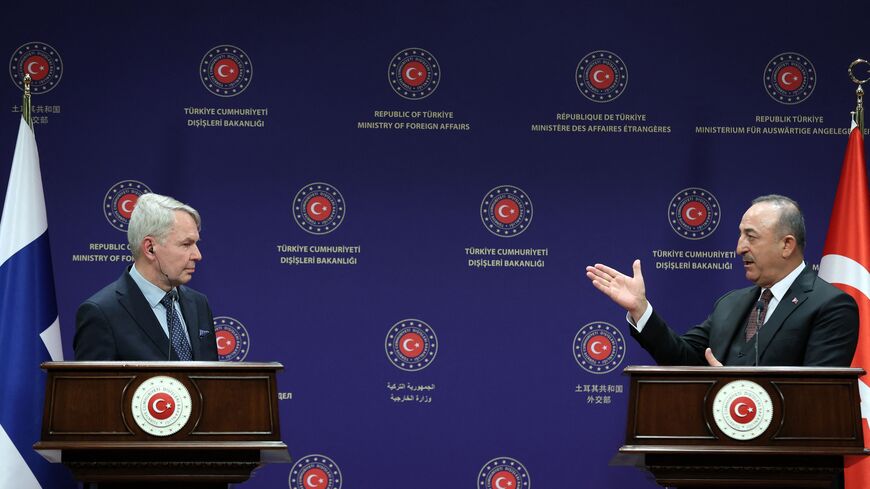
{"points": [[628, 292]]}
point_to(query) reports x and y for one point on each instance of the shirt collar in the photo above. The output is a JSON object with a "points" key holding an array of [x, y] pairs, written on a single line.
{"points": [[153, 294], [780, 288]]}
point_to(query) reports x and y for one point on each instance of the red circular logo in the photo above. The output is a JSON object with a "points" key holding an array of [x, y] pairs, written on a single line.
{"points": [[694, 213], [319, 208], [161, 405], [506, 211], [503, 480], [411, 344], [126, 203], [226, 342], [743, 410], [226, 70], [315, 478], [599, 347], [789, 78], [36, 66], [414, 73], [601, 76]]}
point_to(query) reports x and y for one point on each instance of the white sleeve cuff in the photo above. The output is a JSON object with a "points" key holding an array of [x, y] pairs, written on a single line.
{"points": [[643, 319]]}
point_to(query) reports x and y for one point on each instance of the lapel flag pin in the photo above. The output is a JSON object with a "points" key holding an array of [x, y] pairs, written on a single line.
{"points": [[794, 300]]}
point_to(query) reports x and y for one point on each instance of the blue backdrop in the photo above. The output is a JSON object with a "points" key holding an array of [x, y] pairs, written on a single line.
{"points": [[440, 173]]}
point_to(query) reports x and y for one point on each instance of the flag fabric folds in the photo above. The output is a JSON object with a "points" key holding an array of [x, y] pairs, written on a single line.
{"points": [[845, 263], [29, 325]]}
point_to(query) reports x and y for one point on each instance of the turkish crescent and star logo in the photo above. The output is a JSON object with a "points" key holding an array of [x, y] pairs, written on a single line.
{"points": [[39, 60], [789, 78], [315, 472], [411, 345], [318, 208], [161, 405], [694, 213], [506, 211], [504, 473], [598, 347], [120, 200], [743, 410], [233, 341], [226, 70], [414, 73], [601, 76]]}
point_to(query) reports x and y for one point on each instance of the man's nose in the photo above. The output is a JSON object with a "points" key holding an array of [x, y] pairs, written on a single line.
{"points": [[742, 247], [196, 255]]}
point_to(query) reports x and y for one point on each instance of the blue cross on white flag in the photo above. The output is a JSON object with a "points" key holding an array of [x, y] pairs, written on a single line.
{"points": [[29, 325]]}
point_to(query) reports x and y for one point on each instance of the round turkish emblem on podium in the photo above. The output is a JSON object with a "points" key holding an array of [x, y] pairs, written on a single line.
{"points": [[161, 406], [742, 410]]}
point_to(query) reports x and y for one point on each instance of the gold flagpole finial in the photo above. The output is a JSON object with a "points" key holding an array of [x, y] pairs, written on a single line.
{"points": [[858, 114], [25, 104]]}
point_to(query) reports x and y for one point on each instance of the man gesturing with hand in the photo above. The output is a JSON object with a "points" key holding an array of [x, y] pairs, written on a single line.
{"points": [[789, 317]]}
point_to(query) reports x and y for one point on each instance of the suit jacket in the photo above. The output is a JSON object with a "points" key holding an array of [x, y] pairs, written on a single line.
{"points": [[815, 324], [117, 323]]}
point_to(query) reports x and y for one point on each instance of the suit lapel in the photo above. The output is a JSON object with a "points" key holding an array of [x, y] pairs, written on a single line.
{"points": [[188, 310], [132, 300], [794, 298], [734, 321]]}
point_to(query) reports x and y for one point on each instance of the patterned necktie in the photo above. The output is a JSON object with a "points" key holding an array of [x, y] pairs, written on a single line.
{"points": [[176, 331], [757, 314]]}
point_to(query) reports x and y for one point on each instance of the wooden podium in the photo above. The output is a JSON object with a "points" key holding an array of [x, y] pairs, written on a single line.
{"points": [[161, 424], [704, 427]]}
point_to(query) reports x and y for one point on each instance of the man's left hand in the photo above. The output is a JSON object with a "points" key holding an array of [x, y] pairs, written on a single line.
{"points": [[708, 354]]}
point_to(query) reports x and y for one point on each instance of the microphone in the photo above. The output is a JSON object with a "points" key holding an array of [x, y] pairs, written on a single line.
{"points": [[171, 303], [759, 309], [160, 267], [168, 336]]}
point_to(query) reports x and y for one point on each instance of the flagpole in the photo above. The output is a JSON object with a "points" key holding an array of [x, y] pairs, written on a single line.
{"points": [[25, 104], [858, 113]]}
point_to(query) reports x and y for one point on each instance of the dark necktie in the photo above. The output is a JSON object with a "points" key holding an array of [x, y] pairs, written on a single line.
{"points": [[176, 331], [757, 314]]}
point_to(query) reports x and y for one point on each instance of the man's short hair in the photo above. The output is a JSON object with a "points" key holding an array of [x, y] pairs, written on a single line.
{"points": [[154, 215], [791, 219]]}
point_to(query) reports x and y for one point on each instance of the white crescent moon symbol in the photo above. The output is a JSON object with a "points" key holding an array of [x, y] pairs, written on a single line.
{"points": [[154, 406], [595, 75], [689, 213], [313, 208], [498, 483], [408, 73], [124, 206], [30, 67], [500, 209], [221, 342], [405, 345], [593, 348], [308, 480], [220, 70], [784, 78], [737, 410]]}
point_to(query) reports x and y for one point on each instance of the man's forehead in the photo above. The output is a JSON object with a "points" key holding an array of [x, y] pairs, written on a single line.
{"points": [[184, 225], [760, 216]]}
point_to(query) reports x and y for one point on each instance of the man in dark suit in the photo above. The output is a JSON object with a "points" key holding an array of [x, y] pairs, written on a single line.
{"points": [[790, 317], [148, 313]]}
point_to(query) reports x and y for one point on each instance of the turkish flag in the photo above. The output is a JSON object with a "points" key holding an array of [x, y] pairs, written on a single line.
{"points": [[845, 263]]}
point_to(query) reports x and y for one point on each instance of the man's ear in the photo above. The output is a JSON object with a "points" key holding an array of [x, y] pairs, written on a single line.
{"points": [[147, 246], [789, 246]]}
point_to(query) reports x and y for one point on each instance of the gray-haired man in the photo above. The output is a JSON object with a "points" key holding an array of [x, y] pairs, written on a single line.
{"points": [[148, 313]]}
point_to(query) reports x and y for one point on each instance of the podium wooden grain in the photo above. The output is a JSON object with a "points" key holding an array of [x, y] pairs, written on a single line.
{"points": [[234, 426], [671, 432]]}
